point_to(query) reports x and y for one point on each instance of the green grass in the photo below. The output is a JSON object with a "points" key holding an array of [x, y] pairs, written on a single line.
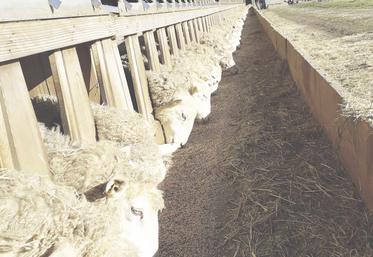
{"points": [[338, 4]]}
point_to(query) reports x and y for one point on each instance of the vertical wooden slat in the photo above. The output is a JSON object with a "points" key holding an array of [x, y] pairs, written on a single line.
{"points": [[209, 21], [138, 75], [180, 36], [200, 25], [76, 113], [87, 65], [186, 33], [21, 144], [205, 24], [151, 50], [191, 31], [196, 30], [110, 74], [173, 41], [165, 49]]}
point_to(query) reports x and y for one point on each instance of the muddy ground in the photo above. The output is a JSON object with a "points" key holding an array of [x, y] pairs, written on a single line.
{"points": [[260, 178]]}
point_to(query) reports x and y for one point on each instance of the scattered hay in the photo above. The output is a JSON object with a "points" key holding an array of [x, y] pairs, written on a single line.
{"points": [[338, 42], [295, 199]]}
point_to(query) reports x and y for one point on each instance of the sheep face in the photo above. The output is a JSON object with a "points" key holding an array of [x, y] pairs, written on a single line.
{"points": [[216, 77], [202, 101], [140, 204], [177, 119], [140, 226]]}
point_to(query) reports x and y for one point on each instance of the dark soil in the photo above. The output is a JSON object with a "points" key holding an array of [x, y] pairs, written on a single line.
{"points": [[260, 178]]}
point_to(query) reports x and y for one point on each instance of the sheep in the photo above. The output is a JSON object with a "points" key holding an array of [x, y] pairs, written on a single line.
{"points": [[96, 164], [175, 107], [103, 163], [41, 218]]}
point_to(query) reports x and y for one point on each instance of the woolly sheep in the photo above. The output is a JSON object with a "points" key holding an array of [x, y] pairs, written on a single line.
{"points": [[42, 218], [104, 163]]}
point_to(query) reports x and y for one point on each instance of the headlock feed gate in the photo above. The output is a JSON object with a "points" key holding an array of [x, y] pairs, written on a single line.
{"points": [[69, 49]]}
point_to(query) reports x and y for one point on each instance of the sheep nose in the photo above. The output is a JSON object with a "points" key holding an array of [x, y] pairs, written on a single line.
{"points": [[206, 119], [182, 145]]}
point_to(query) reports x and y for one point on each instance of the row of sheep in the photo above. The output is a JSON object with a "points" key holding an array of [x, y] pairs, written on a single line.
{"points": [[181, 93], [102, 199]]}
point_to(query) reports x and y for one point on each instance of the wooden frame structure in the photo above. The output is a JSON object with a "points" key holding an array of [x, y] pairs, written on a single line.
{"points": [[78, 60]]}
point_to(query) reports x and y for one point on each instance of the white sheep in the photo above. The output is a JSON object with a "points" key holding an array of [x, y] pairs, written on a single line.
{"points": [[105, 163], [40, 218]]}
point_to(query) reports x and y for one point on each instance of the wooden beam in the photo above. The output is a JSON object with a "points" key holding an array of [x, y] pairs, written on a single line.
{"points": [[112, 80], [173, 41], [180, 36], [196, 30], [200, 25], [151, 51], [191, 31], [17, 42], [165, 49], [138, 75], [21, 144], [206, 29], [76, 114], [186, 33], [87, 65]]}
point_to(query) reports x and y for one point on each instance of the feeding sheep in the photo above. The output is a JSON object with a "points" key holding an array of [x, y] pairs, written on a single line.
{"points": [[40, 218], [105, 164]]}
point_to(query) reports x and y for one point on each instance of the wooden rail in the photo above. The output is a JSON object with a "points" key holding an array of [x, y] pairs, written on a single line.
{"points": [[77, 59]]}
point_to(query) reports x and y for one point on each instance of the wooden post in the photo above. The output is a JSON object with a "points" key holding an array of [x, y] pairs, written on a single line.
{"points": [[138, 75], [205, 24], [191, 31], [200, 25], [196, 30], [180, 36], [172, 36], [76, 113], [21, 144], [151, 51], [165, 50], [110, 74], [186, 32]]}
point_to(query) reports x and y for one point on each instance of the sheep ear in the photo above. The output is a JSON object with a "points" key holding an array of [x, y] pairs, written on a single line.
{"points": [[193, 90], [113, 187], [126, 150]]}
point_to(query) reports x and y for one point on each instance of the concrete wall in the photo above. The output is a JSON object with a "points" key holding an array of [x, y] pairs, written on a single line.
{"points": [[353, 140]]}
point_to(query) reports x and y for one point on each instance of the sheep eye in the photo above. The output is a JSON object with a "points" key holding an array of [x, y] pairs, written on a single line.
{"points": [[137, 212], [183, 116]]}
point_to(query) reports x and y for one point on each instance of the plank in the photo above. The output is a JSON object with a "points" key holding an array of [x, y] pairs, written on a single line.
{"points": [[191, 31], [16, 42], [151, 51], [89, 72], [206, 29], [173, 41], [196, 30], [164, 47], [138, 75], [21, 144], [180, 36], [186, 33], [111, 78], [76, 113], [200, 25], [40, 9]]}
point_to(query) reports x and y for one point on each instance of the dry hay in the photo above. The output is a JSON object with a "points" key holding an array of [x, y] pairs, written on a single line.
{"points": [[295, 199], [339, 43]]}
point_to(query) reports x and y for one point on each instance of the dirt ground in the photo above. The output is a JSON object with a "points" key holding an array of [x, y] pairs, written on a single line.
{"points": [[260, 178], [338, 41]]}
